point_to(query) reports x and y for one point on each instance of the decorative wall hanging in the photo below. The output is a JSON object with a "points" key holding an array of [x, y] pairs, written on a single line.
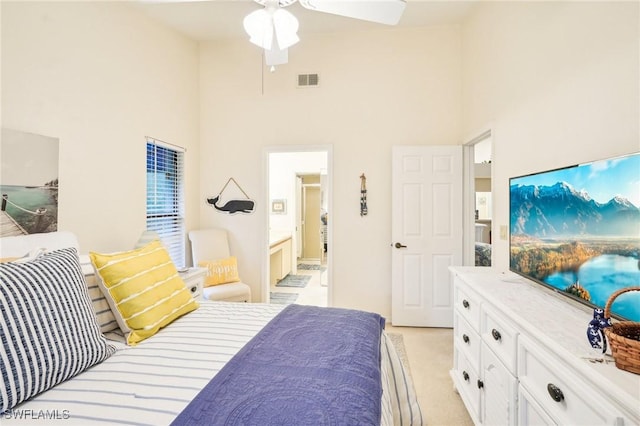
{"points": [[279, 206], [28, 183], [363, 195], [234, 205]]}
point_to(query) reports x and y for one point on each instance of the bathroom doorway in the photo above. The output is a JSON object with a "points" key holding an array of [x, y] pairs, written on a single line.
{"points": [[309, 219], [479, 200], [298, 265]]}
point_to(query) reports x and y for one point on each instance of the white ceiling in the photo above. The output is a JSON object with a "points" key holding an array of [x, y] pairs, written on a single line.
{"points": [[222, 19]]}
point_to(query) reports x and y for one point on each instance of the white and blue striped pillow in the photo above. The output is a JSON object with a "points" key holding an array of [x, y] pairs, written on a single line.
{"points": [[106, 320], [48, 330]]}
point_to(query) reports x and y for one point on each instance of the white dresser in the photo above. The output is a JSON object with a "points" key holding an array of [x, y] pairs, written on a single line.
{"points": [[521, 356]]}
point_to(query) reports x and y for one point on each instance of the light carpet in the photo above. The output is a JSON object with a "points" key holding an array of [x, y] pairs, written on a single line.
{"points": [[430, 351]]}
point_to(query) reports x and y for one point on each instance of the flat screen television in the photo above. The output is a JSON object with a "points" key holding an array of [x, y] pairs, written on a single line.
{"points": [[576, 230]]}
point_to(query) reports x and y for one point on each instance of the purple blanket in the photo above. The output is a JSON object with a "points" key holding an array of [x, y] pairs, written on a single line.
{"points": [[308, 366]]}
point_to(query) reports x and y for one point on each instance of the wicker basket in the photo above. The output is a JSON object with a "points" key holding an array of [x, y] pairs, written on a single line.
{"points": [[624, 338]]}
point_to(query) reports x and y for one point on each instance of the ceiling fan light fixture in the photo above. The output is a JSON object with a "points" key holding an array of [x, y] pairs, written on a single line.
{"points": [[275, 29], [286, 28], [276, 56], [259, 26]]}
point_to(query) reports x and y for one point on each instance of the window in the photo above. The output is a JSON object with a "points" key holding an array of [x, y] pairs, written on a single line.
{"points": [[165, 197]]}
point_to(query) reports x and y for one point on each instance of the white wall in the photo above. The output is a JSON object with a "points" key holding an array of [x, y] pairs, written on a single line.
{"points": [[558, 82], [99, 76], [377, 89]]}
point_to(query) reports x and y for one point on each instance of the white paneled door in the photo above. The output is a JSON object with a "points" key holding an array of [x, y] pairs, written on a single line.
{"points": [[426, 229]]}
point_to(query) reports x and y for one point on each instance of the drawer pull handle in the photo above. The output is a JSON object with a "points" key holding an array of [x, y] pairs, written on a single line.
{"points": [[555, 392], [465, 338], [465, 376], [496, 334], [480, 384], [465, 303]]}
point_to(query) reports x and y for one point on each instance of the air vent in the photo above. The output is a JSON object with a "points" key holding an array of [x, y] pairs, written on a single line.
{"points": [[308, 80]]}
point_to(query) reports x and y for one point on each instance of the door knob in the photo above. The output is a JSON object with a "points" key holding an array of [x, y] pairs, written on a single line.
{"points": [[398, 245]]}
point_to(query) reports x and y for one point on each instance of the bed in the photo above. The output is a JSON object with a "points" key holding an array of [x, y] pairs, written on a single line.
{"points": [[483, 254], [187, 371]]}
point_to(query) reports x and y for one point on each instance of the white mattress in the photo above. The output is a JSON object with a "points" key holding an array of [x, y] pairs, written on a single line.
{"points": [[150, 384]]}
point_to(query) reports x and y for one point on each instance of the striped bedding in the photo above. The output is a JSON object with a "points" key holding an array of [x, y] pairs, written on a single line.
{"points": [[151, 383]]}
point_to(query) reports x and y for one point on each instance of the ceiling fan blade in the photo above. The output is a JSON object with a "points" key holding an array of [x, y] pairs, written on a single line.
{"points": [[380, 11]]}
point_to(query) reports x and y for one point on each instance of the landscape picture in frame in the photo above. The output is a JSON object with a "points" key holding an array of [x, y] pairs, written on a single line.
{"points": [[28, 183], [576, 230]]}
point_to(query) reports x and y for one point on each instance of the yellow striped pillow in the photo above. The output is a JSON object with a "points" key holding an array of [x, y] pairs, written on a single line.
{"points": [[143, 289]]}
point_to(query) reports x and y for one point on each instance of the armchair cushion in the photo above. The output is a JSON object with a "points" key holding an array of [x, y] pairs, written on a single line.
{"points": [[213, 244], [230, 292]]}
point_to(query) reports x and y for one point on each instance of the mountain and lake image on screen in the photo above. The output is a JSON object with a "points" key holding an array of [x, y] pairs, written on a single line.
{"points": [[577, 230]]}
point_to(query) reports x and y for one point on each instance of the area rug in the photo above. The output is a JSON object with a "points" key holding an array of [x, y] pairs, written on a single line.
{"points": [[283, 298], [300, 281], [310, 267], [398, 342]]}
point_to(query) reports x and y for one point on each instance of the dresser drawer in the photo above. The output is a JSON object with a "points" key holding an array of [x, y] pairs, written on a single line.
{"points": [[467, 340], [465, 376], [499, 389], [499, 336], [467, 303], [562, 395], [529, 412]]}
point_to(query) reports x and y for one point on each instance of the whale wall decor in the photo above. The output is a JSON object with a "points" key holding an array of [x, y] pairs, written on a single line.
{"points": [[233, 206]]}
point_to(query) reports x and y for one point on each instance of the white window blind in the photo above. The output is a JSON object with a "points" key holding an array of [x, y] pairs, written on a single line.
{"points": [[165, 197]]}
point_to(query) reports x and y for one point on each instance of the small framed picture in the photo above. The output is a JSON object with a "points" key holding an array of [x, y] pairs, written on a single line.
{"points": [[278, 206]]}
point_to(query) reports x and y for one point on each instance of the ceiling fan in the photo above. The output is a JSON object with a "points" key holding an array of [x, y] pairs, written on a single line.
{"points": [[275, 29]]}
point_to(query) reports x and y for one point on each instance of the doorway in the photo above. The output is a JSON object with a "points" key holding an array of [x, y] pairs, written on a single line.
{"points": [[310, 220], [478, 200], [298, 188]]}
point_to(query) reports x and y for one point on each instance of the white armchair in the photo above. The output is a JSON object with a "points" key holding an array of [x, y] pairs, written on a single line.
{"points": [[213, 244]]}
